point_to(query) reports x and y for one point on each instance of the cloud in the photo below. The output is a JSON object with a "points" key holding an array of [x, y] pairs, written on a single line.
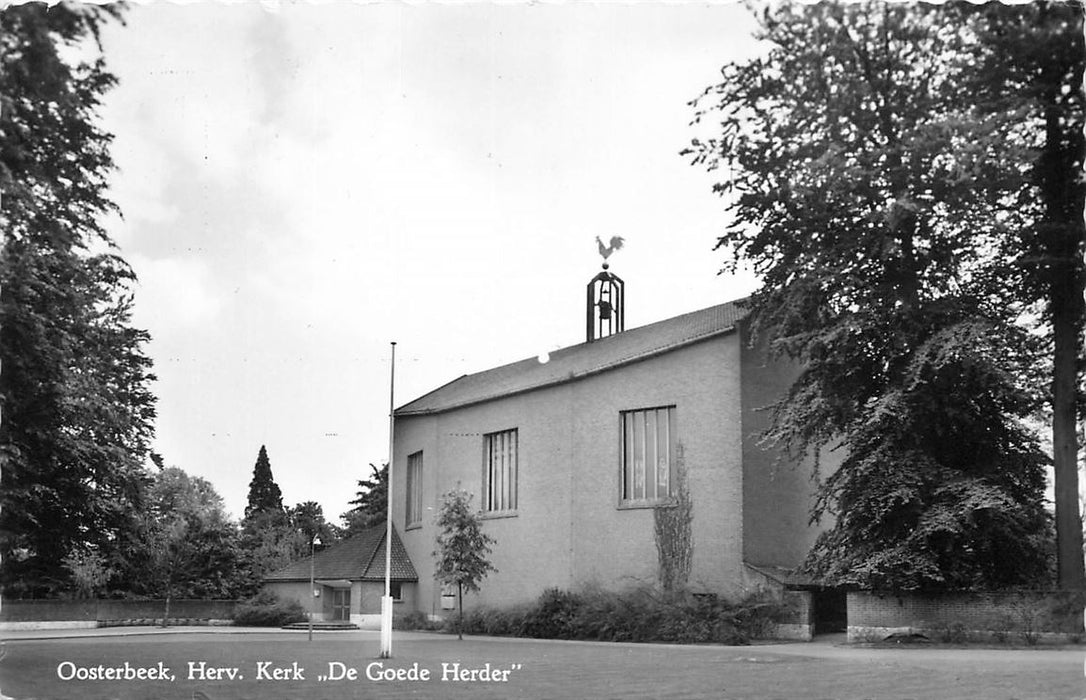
{"points": [[174, 295], [302, 187]]}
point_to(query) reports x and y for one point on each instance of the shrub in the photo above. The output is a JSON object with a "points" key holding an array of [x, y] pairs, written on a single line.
{"points": [[955, 632], [265, 609], [1065, 612], [458, 625], [468, 623], [553, 615], [508, 622], [1000, 627], [758, 613], [644, 615], [499, 622], [635, 615], [414, 621], [606, 616], [1030, 616]]}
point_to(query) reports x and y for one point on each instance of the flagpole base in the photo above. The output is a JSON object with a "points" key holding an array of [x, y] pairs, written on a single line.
{"points": [[386, 627]]}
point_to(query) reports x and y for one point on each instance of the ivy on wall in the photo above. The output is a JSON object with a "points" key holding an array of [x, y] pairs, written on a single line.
{"points": [[673, 535]]}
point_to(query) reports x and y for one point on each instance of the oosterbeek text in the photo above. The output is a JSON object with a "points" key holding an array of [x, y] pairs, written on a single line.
{"points": [[379, 671]]}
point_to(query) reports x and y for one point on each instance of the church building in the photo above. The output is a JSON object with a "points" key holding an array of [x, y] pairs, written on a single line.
{"points": [[630, 459]]}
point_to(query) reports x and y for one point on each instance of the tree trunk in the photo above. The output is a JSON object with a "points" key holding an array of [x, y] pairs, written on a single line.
{"points": [[1072, 572], [166, 614], [1063, 233], [1066, 304], [169, 594], [460, 609]]}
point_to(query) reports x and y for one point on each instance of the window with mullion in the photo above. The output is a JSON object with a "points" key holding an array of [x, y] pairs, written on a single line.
{"points": [[414, 490], [500, 471], [648, 454]]}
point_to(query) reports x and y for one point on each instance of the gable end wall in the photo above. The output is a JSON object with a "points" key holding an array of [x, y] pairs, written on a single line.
{"points": [[569, 530]]}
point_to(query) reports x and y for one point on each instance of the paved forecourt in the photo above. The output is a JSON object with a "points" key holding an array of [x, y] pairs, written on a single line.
{"points": [[249, 664]]}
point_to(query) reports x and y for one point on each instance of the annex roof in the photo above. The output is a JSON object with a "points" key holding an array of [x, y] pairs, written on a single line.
{"points": [[358, 558], [579, 361], [789, 578]]}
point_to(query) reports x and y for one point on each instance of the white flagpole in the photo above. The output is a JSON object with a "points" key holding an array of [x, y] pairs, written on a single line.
{"points": [[386, 600]]}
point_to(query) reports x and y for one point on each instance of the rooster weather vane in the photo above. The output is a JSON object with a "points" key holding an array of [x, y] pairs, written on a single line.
{"points": [[607, 250]]}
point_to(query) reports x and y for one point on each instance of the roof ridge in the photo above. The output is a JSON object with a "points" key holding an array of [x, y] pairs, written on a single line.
{"points": [[373, 555], [576, 375], [338, 557], [437, 389], [579, 361]]}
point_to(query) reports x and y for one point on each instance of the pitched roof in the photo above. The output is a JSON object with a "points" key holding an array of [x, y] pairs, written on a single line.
{"points": [[789, 578], [579, 361], [361, 557]]}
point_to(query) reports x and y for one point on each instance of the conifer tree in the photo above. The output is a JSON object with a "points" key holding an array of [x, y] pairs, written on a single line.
{"points": [[264, 493], [269, 540]]}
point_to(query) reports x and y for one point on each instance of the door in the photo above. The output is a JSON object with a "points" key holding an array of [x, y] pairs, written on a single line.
{"points": [[830, 610], [341, 604]]}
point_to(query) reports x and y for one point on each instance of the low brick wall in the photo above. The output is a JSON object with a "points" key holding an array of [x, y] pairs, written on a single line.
{"points": [[799, 625], [47, 610], [16, 614], [179, 609], [1023, 616]]}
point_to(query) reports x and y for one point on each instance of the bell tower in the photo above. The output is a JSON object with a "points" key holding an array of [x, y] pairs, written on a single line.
{"points": [[606, 307]]}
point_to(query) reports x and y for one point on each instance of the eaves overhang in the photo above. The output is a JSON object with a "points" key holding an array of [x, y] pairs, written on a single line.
{"points": [[556, 381]]}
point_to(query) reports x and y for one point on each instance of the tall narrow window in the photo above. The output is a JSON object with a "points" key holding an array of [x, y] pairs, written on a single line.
{"points": [[648, 454], [500, 471], [414, 489]]}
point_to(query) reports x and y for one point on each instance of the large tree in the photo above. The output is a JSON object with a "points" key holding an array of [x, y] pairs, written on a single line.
{"points": [[187, 546], [1029, 63], [77, 409], [190, 545], [876, 204]]}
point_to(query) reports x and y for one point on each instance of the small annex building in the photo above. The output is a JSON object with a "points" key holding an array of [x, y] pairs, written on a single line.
{"points": [[630, 459], [349, 580]]}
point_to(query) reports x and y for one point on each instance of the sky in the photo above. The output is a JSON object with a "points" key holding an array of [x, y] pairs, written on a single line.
{"points": [[304, 184]]}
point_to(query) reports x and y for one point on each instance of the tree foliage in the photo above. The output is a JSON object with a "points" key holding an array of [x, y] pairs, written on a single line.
{"points": [[264, 493], [1030, 61], [370, 503], [90, 573], [308, 519], [462, 546], [268, 542], [273, 536], [189, 546], [877, 204], [77, 410]]}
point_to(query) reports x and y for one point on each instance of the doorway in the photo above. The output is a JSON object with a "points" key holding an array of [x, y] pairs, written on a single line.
{"points": [[341, 604], [830, 610]]}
